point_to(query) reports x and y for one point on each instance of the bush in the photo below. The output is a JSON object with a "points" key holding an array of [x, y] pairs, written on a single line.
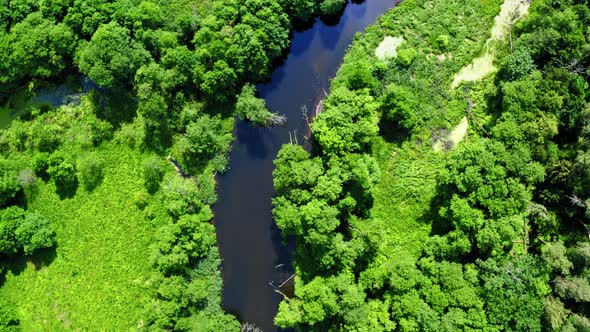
{"points": [[152, 174], [132, 134], [34, 233], [40, 164], [517, 65], [64, 175], [358, 75], [8, 318], [10, 219], [90, 171], [9, 187], [331, 8], [140, 199], [406, 56], [442, 42], [27, 179], [181, 196]]}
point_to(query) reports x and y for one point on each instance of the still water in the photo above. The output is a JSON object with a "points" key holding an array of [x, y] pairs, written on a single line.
{"points": [[250, 244]]}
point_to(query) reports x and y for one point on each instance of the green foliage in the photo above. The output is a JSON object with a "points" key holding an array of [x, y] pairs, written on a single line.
{"points": [[141, 199], [28, 231], [331, 8], [516, 65], [555, 257], [358, 75], [555, 312], [10, 220], [348, 122], [153, 173], [181, 243], [37, 48], [9, 187], [156, 56], [111, 55], [90, 171], [400, 106], [205, 139], [514, 292], [487, 236], [8, 318], [63, 173], [575, 288], [406, 56], [102, 250], [34, 233], [251, 108]]}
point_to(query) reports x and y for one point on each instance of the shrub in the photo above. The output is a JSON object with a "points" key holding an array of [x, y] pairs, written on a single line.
{"points": [[406, 56], [517, 64], [9, 186], [8, 318], [27, 179], [442, 42], [131, 134], [152, 174], [40, 164], [34, 233], [331, 8], [140, 199], [64, 175], [90, 171]]}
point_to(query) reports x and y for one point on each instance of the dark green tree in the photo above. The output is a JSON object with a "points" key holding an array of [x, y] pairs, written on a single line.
{"points": [[111, 57]]}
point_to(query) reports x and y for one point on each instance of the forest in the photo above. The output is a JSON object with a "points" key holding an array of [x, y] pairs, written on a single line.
{"points": [[403, 221], [105, 193], [400, 225]]}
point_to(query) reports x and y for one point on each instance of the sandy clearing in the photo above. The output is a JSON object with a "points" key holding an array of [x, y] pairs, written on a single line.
{"points": [[510, 11], [387, 49], [455, 137]]}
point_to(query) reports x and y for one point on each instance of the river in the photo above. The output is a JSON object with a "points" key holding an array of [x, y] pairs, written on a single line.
{"points": [[249, 241]]}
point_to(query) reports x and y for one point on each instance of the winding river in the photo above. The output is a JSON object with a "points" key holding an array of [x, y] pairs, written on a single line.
{"points": [[253, 252]]}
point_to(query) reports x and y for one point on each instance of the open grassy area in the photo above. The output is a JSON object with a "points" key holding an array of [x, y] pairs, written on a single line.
{"points": [[94, 280], [404, 193]]}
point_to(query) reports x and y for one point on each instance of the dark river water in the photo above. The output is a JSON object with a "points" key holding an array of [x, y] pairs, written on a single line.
{"points": [[249, 241]]}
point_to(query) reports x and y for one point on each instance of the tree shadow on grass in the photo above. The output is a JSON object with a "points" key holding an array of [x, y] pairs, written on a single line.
{"points": [[18, 263], [392, 132], [439, 225], [66, 190]]}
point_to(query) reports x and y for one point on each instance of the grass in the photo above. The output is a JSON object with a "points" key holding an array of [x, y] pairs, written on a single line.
{"points": [[404, 193], [510, 11], [410, 166], [94, 280]]}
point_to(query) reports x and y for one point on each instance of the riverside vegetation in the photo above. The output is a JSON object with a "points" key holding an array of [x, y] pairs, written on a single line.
{"points": [[489, 234], [105, 219]]}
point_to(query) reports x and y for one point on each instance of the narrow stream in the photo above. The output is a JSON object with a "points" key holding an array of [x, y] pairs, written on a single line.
{"points": [[250, 243]]}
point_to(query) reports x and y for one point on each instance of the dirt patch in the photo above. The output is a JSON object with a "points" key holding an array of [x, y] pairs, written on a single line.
{"points": [[478, 69], [387, 49], [454, 137], [510, 12]]}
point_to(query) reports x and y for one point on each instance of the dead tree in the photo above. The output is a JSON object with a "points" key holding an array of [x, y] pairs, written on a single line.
{"points": [[276, 120]]}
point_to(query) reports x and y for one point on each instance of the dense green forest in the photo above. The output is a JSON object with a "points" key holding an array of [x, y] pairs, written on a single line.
{"points": [[401, 226], [403, 221], [105, 219]]}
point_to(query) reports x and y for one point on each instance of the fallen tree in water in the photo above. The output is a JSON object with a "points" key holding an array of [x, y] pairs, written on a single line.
{"points": [[251, 108]]}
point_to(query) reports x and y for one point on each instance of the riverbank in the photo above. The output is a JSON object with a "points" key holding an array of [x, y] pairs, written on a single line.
{"points": [[248, 236], [383, 176], [174, 66], [407, 221]]}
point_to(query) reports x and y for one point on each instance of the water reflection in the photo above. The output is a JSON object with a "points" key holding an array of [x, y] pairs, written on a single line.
{"points": [[253, 251]]}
